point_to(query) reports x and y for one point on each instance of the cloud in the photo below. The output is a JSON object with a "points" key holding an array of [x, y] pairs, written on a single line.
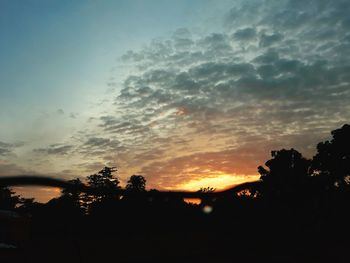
{"points": [[268, 40], [10, 169], [55, 149], [73, 115], [98, 145], [276, 72], [4, 152], [95, 141], [92, 166], [6, 149], [245, 34], [194, 105], [60, 112]]}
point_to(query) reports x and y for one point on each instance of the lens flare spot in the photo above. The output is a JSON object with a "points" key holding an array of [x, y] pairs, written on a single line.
{"points": [[207, 209]]}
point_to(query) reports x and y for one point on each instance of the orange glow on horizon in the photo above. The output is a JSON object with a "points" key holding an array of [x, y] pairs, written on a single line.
{"points": [[194, 201], [214, 179], [40, 193], [219, 181]]}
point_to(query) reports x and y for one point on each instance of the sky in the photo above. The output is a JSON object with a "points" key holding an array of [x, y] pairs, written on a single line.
{"points": [[189, 94]]}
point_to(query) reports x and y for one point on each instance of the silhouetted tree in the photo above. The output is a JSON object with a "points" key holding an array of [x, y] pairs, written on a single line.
{"points": [[207, 189], [104, 183], [332, 161], [107, 188], [27, 205], [74, 190], [136, 183], [74, 193], [287, 172], [8, 199]]}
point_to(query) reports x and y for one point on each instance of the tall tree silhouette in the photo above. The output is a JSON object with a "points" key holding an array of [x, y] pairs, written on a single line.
{"points": [[73, 194], [105, 183], [287, 172], [332, 161], [136, 183]]}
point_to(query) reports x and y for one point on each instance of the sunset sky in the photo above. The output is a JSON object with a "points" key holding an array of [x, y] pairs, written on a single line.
{"points": [[189, 94]]}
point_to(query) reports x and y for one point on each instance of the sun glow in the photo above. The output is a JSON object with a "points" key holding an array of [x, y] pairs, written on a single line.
{"points": [[219, 181], [41, 194]]}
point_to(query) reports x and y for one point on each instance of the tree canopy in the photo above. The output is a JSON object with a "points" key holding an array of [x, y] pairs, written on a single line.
{"points": [[136, 183], [105, 182], [332, 160], [287, 171]]}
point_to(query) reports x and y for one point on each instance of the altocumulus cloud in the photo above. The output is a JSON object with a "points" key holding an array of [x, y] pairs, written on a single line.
{"points": [[275, 76], [5, 148], [7, 155], [55, 149], [194, 105]]}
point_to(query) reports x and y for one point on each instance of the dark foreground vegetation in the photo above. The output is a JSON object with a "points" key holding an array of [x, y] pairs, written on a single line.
{"points": [[297, 212]]}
